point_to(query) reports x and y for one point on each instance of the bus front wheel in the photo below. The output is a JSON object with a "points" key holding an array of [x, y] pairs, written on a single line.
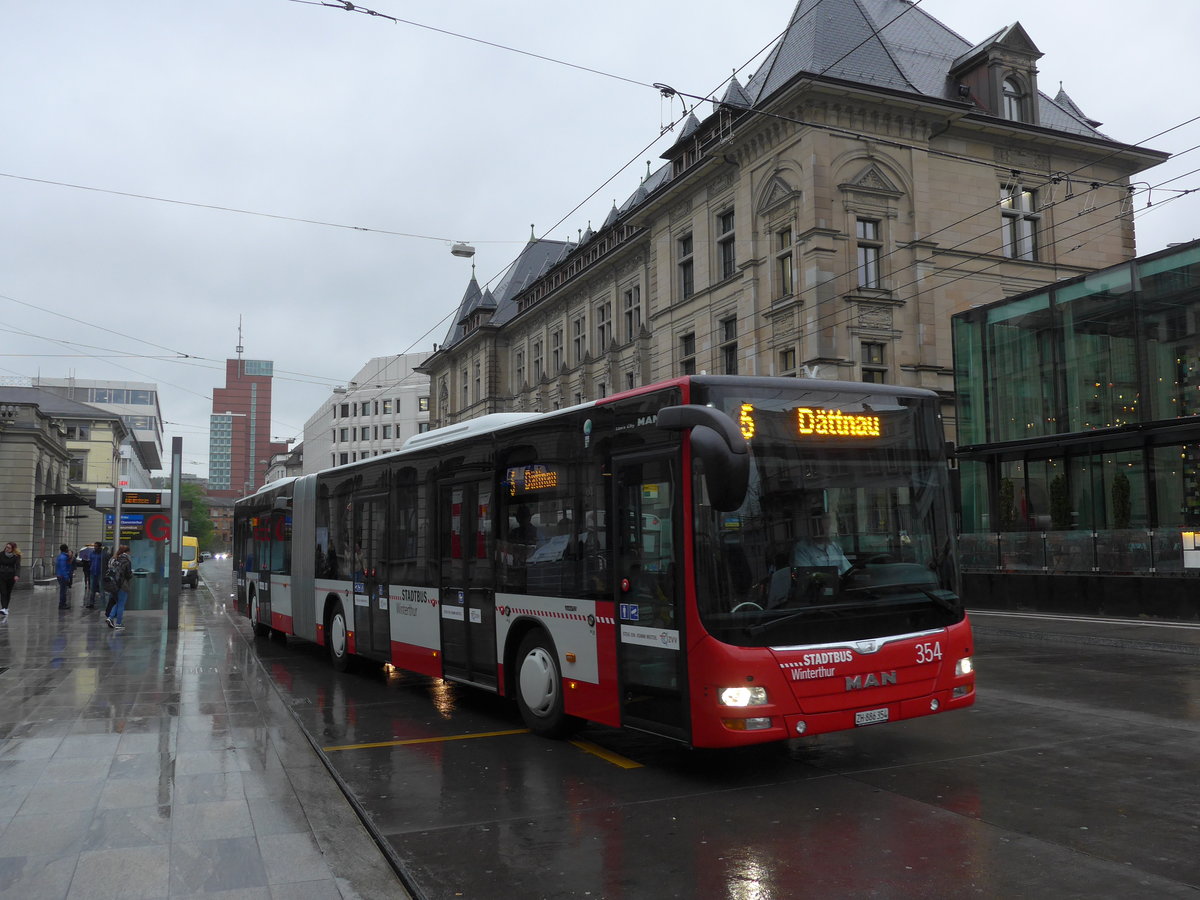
{"points": [[539, 688], [336, 639]]}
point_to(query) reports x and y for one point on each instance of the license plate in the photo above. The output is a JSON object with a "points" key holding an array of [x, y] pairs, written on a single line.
{"points": [[871, 716]]}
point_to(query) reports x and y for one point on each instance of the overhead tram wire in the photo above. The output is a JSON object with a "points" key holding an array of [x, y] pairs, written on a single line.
{"points": [[351, 7], [188, 360], [244, 212], [178, 353], [118, 365]]}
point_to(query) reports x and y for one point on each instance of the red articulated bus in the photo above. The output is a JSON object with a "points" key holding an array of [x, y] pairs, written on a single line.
{"points": [[719, 560]]}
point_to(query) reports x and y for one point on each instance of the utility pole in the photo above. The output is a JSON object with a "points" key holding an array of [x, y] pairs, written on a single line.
{"points": [[174, 579]]}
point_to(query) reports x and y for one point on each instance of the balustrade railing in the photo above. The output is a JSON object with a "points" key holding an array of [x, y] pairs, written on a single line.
{"points": [[1130, 551]]}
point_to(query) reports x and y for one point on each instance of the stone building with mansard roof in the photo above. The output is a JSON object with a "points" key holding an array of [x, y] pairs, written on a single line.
{"points": [[877, 174]]}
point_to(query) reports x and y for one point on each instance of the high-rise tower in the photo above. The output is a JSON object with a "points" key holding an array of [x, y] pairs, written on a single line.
{"points": [[239, 437]]}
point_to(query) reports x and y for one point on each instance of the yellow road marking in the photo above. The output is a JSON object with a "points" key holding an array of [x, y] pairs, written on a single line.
{"points": [[431, 740], [607, 755]]}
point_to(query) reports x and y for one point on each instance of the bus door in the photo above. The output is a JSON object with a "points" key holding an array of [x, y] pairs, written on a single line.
{"points": [[649, 584], [272, 559], [258, 567], [467, 596], [369, 574]]}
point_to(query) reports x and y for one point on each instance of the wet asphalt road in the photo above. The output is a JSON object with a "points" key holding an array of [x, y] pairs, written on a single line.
{"points": [[1074, 775]]}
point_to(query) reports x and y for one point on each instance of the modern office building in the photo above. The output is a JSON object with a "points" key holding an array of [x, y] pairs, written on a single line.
{"points": [[376, 412], [824, 216], [239, 438], [1079, 441], [136, 403]]}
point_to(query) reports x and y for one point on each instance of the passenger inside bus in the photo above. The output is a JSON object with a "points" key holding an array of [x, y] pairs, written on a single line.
{"points": [[525, 532]]}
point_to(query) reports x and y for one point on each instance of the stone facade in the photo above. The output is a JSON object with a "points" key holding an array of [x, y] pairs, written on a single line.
{"points": [[33, 473], [824, 227]]}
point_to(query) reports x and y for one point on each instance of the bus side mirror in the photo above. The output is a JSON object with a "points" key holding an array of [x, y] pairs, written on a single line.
{"points": [[719, 444]]}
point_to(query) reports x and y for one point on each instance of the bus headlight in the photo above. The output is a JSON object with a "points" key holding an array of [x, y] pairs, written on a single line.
{"points": [[964, 666], [743, 696]]}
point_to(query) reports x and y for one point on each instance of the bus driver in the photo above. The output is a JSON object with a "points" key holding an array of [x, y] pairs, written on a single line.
{"points": [[820, 547]]}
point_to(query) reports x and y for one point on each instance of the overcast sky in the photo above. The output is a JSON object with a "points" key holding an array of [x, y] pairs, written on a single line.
{"points": [[403, 139]]}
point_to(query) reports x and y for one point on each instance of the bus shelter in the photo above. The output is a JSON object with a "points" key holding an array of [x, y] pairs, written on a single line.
{"points": [[146, 528]]}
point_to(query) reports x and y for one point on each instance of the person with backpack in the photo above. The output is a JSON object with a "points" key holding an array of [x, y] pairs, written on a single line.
{"points": [[64, 571], [97, 563], [116, 580]]}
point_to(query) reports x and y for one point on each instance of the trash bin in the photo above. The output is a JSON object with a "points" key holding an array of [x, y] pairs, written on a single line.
{"points": [[140, 596]]}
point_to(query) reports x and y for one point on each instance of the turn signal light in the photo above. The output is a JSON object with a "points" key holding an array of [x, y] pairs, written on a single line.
{"points": [[753, 724]]}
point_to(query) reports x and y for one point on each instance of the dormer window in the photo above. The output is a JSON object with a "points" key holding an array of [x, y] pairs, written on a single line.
{"points": [[1013, 101], [1000, 75]]}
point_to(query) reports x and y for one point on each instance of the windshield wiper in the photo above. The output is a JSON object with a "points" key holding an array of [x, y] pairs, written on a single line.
{"points": [[941, 601], [837, 608]]}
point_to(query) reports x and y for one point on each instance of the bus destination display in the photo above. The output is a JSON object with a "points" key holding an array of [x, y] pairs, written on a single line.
{"points": [[818, 422]]}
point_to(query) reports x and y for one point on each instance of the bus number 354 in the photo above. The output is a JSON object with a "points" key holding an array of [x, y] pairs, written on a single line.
{"points": [[929, 652]]}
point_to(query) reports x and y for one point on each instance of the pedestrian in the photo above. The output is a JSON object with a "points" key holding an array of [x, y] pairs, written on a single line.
{"points": [[117, 577], [10, 574], [96, 565], [83, 560], [64, 570]]}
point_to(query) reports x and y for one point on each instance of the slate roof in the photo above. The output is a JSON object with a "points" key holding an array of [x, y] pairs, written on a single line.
{"points": [[885, 43], [1063, 99]]}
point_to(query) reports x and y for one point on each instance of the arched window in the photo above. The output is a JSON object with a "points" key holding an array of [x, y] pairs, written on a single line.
{"points": [[1014, 100]]}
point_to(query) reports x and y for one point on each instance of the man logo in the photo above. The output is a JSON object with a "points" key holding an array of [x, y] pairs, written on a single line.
{"points": [[858, 682]]}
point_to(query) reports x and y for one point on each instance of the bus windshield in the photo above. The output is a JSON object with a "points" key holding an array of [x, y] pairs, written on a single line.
{"points": [[845, 532]]}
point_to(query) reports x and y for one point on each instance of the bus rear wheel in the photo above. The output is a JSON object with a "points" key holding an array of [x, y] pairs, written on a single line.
{"points": [[337, 639], [260, 630], [539, 688]]}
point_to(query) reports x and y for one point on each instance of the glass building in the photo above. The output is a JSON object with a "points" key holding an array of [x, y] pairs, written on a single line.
{"points": [[1079, 439]]}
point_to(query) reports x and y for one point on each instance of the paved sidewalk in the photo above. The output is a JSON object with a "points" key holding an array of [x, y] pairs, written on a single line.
{"points": [[1134, 634], [139, 763]]}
